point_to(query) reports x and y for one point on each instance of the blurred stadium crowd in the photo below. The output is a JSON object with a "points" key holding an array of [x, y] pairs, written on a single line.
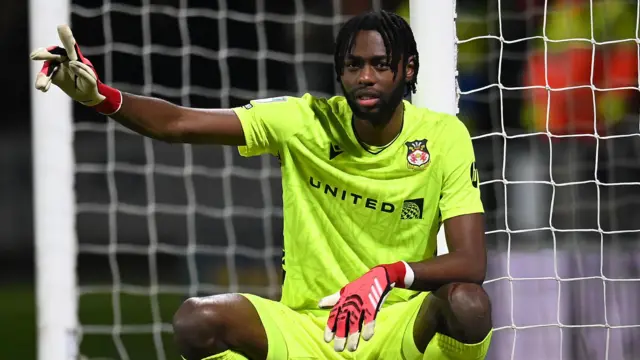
{"points": [[583, 186]]}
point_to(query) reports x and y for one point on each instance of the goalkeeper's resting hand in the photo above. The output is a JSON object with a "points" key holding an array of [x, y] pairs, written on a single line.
{"points": [[355, 306], [74, 74]]}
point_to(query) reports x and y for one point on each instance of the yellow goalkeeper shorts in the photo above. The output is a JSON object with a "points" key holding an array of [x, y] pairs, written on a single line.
{"points": [[299, 335]]}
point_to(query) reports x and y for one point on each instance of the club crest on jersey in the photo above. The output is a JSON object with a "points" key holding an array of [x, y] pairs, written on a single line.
{"points": [[417, 153]]}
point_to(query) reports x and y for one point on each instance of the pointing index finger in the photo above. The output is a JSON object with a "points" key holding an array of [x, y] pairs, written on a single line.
{"points": [[68, 41]]}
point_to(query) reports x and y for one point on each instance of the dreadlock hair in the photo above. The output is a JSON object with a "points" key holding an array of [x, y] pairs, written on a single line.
{"points": [[396, 34]]}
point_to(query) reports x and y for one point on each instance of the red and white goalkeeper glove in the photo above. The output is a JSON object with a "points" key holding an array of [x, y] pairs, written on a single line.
{"points": [[74, 74], [355, 306]]}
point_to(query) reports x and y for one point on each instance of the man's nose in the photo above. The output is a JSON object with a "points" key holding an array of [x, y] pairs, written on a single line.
{"points": [[367, 76]]}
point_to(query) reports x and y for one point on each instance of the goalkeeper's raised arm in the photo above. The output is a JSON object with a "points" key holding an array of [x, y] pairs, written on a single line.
{"points": [[74, 74]]}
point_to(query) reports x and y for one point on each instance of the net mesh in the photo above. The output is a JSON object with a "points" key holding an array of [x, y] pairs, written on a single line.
{"points": [[159, 222], [555, 120]]}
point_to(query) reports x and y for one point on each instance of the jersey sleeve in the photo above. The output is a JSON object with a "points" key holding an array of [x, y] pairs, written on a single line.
{"points": [[460, 192], [268, 124]]}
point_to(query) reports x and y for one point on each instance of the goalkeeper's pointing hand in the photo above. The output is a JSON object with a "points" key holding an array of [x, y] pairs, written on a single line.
{"points": [[355, 306], [74, 74]]}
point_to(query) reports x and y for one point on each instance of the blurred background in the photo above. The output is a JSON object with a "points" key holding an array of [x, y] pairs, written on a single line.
{"points": [[559, 166]]}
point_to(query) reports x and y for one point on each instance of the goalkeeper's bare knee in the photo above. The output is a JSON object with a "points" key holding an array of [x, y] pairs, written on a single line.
{"points": [[468, 314], [459, 310], [210, 325], [197, 326]]}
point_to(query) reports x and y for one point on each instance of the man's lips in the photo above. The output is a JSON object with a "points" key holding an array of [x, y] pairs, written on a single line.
{"points": [[367, 98], [368, 102]]}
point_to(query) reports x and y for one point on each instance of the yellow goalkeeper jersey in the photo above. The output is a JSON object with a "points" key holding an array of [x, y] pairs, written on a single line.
{"points": [[348, 208]]}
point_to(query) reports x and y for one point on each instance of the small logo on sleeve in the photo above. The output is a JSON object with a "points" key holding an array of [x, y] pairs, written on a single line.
{"points": [[417, 153], [475, 178], [271, 100], [265, 101]]}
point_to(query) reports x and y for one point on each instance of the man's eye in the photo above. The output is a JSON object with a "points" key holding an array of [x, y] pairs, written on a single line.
{"points": [[382, 66]]}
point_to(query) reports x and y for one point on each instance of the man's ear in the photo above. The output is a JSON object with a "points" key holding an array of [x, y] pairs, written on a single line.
{"points": [[410, 72]]}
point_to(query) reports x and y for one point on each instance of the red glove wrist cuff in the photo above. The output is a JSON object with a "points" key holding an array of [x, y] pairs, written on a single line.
{"points": [[397, 272], [112, 101]]}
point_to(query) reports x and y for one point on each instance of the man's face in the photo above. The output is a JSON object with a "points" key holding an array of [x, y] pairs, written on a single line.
{"points": [[368, 81]]}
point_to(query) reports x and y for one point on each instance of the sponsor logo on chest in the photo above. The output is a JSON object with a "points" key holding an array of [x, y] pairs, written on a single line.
{"points": [[411, 209]]}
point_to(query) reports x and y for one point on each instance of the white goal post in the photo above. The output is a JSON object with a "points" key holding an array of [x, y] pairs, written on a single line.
{"points": [[54, 197], [437, 75]]}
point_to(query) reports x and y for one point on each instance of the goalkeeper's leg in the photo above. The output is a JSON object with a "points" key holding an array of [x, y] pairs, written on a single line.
{"points": [[204, 327], [454, 322]]}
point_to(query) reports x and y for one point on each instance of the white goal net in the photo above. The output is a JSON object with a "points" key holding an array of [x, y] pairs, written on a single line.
{"points": [[549, 90]]}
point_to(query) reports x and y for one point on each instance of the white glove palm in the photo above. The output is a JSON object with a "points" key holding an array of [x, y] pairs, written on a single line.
{"points": [[74, 74]]}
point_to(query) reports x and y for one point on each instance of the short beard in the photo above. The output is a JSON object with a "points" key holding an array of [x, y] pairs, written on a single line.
{"points": [[386, 106]]}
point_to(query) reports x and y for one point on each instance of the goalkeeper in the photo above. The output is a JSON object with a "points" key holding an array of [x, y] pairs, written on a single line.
{"points": [[367, 181]]}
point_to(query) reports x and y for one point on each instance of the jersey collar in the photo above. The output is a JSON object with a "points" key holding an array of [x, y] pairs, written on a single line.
{"points": [[375, 150]]}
